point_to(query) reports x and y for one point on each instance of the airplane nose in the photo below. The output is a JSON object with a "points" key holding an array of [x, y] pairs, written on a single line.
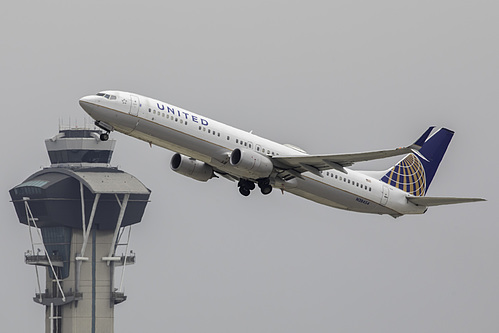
{"points": [[89, 105], [85, 101]]}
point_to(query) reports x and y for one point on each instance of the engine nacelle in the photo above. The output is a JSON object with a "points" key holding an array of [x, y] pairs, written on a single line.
{"points": [[191, 168], [250, 164]]}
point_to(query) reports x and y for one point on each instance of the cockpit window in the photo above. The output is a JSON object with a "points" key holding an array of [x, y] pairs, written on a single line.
{"points": [[106, 96]]}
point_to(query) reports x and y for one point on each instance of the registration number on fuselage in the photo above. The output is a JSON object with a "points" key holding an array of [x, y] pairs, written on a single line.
{"points": [[362, 201]]}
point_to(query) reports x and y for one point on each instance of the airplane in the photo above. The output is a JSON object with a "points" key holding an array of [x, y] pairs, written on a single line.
{"points": [[206, 149]]}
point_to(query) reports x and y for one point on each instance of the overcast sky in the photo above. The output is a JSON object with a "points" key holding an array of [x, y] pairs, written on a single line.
{"points": [[328, 76]]}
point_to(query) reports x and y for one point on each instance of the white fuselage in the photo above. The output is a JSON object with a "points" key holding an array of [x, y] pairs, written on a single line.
{"points": [[212, 142]]}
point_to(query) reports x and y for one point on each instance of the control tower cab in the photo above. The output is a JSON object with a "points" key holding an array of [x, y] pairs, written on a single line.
{"points": [[79, 212]]}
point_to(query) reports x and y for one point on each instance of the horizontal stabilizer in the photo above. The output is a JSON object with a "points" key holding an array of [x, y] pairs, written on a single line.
{"points": [[438, 201]]}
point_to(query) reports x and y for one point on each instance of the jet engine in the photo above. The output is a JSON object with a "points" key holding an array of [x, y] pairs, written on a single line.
{"points": [[191, 167], [250, 164]]}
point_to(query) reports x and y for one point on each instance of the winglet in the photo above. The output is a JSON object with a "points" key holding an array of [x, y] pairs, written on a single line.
{"points": [[419, 142]]}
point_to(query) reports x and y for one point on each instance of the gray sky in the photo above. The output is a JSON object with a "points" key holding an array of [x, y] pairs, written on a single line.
{"points": [[327, 76]]}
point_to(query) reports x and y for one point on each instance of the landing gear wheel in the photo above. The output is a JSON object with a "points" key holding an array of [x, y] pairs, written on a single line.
{"points": [[104, 136], [264, 185], [244, 191], [266, 189]]}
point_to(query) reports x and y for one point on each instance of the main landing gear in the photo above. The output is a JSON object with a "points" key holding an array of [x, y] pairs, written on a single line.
{"points": [[264, 185], [246, 186]]}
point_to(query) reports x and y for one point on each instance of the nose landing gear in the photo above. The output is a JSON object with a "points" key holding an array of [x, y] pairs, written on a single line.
{"points": [[104, 136], [106, 127]]}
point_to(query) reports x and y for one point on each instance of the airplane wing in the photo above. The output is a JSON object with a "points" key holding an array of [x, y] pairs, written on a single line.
{"points": [[438, 201], [295, 165]]}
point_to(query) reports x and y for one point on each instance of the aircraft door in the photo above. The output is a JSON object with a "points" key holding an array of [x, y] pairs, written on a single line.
{"points": [[384, 195], [134, 108]]}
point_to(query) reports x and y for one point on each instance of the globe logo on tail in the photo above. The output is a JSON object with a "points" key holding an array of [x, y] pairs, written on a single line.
{"points": [[408, 175]]}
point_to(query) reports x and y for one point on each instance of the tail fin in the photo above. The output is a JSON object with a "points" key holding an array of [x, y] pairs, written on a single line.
{"points": [[416, 171]]}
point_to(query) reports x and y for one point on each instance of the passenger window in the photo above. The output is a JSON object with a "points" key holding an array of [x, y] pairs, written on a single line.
{"points": [[154, 112], [237, 141], [149, 109], [228, 137], [209, 131], [163, 115]]}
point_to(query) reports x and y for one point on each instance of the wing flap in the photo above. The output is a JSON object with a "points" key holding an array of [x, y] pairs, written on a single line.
{"points": [[438, 201]]}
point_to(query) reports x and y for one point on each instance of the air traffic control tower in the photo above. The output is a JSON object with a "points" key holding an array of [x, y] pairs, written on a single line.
{"points": [[79, 212]]}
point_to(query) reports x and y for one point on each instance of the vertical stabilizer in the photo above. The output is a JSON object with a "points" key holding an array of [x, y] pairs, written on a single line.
{"points": [[416, 171]]}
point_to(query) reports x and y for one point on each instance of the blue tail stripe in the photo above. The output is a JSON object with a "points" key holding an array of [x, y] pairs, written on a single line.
{"points": [[433, 150], [414, 174]]}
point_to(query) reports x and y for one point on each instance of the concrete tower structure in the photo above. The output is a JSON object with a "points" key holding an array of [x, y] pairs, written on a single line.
{"points": [[80, 211]]}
